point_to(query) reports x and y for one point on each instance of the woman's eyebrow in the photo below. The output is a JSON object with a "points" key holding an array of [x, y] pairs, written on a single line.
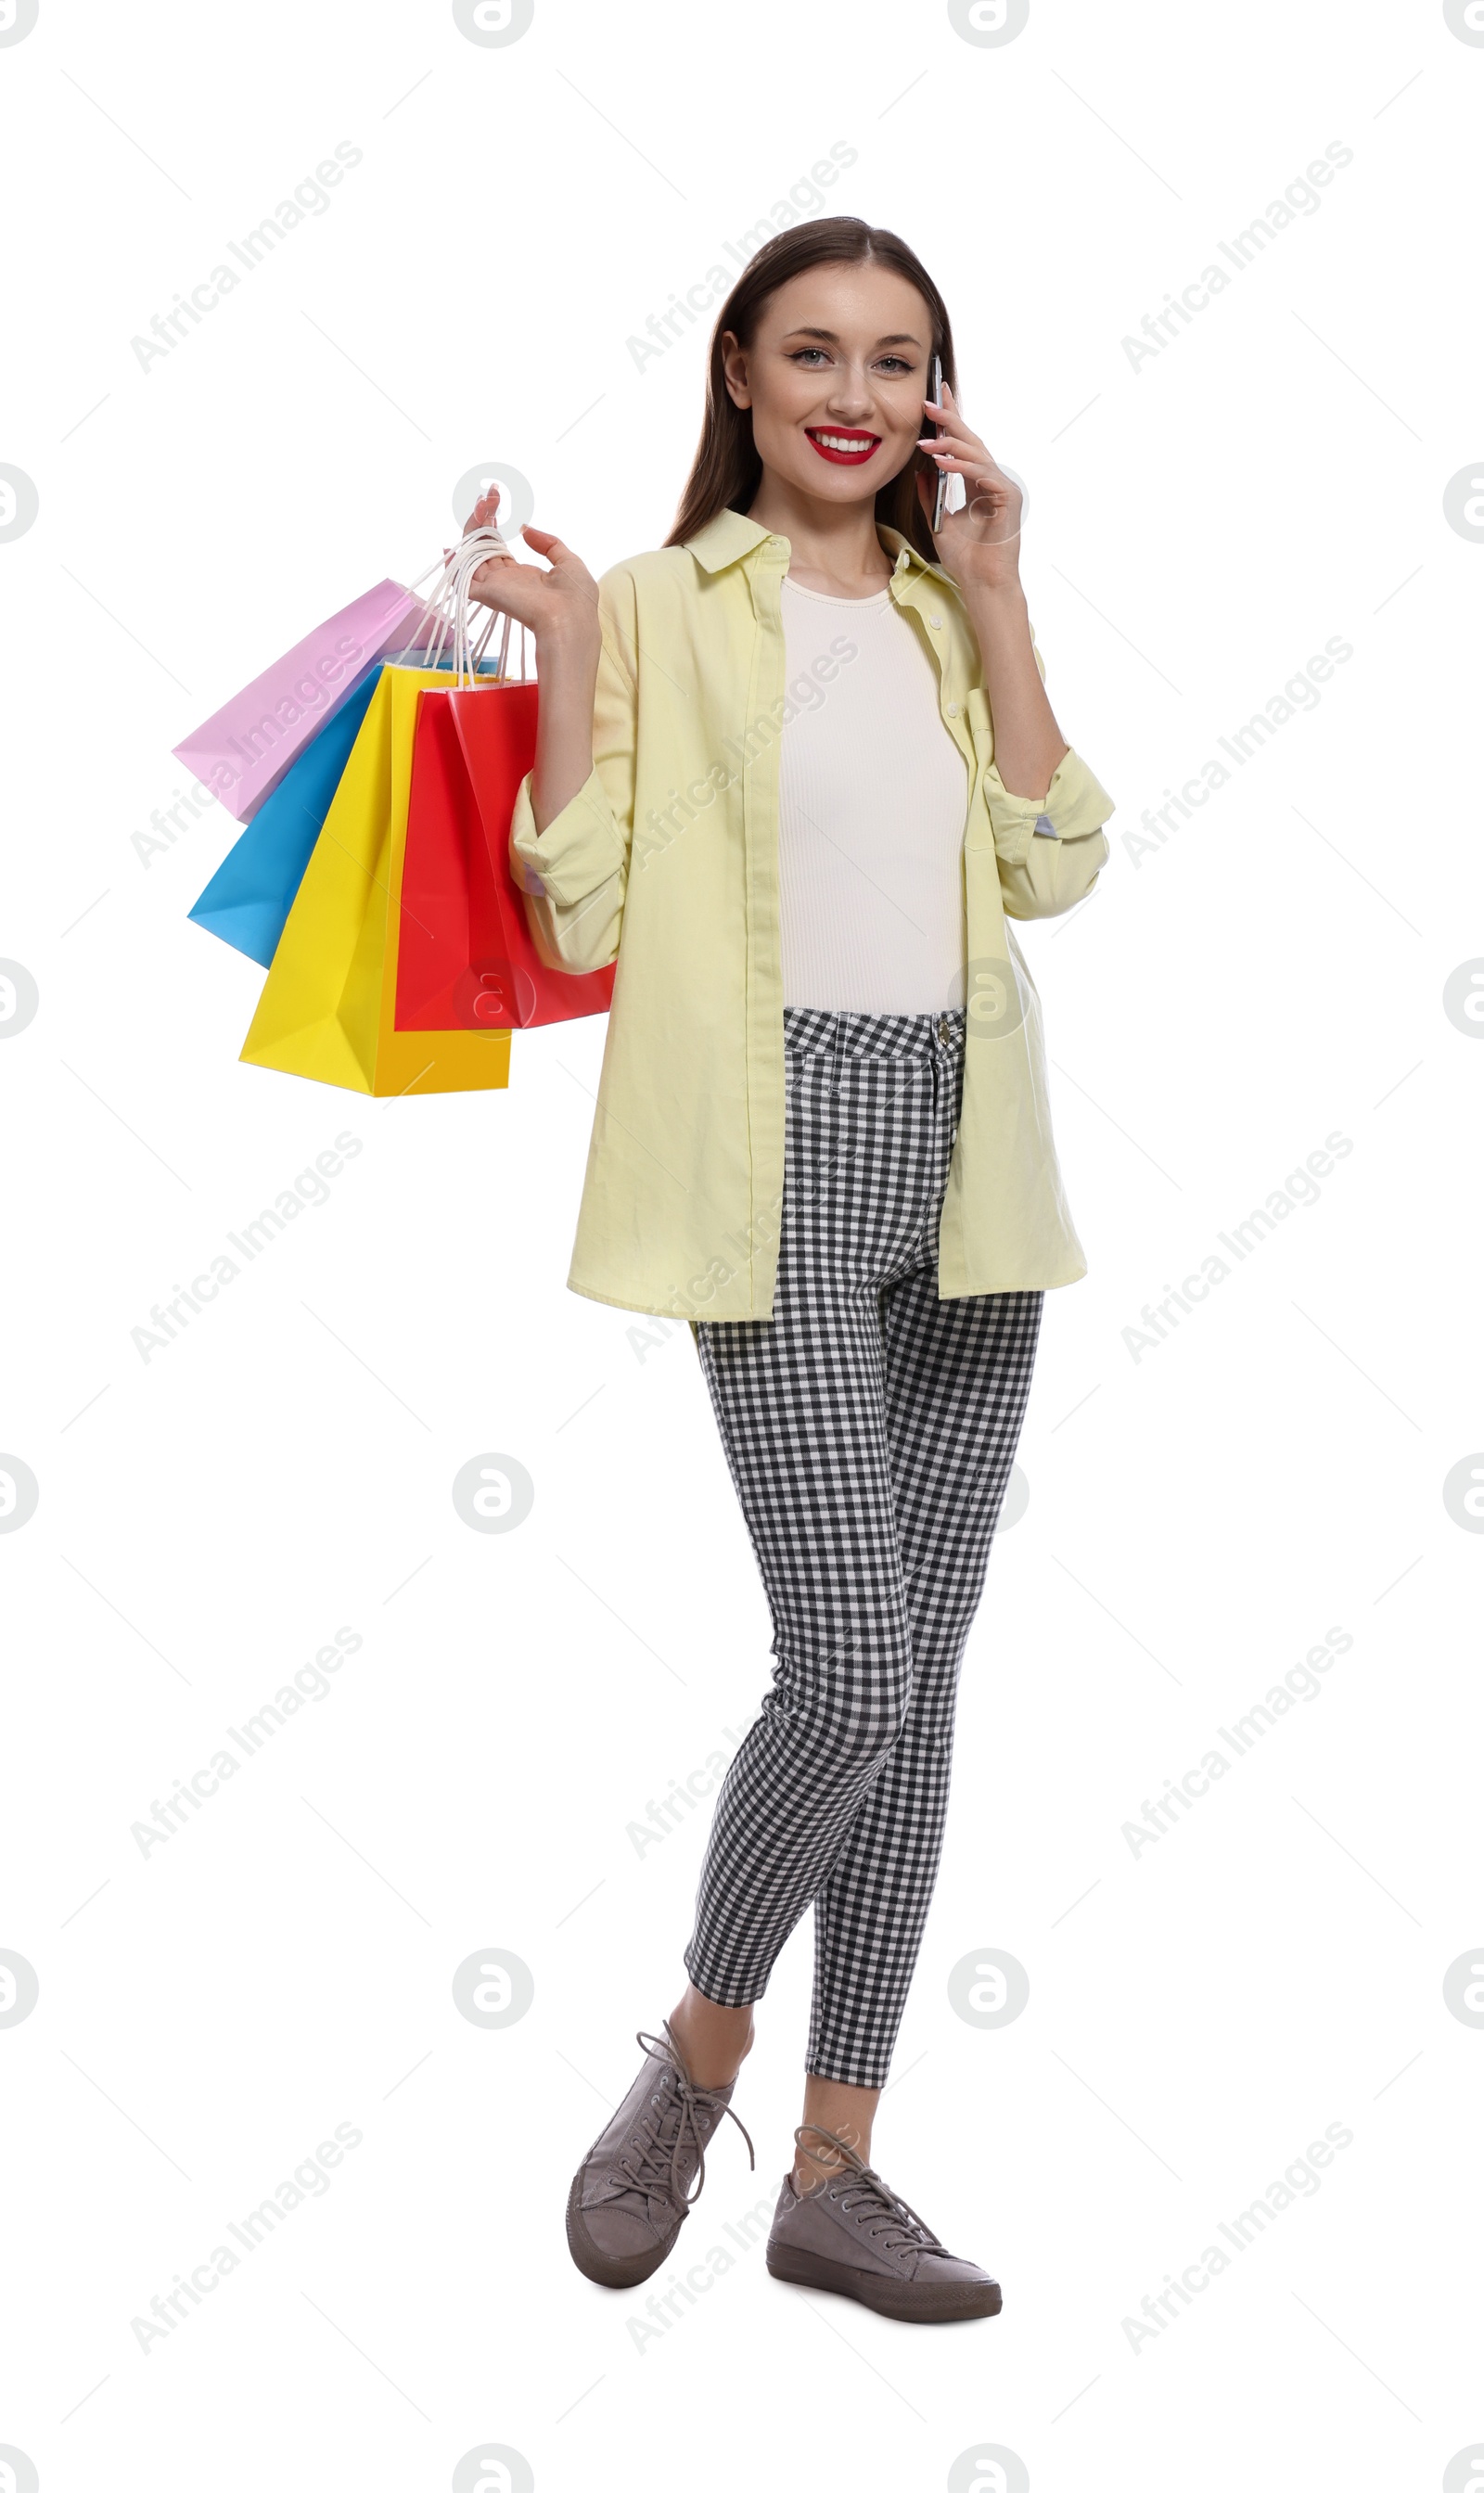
{"points": [[896, 338]]}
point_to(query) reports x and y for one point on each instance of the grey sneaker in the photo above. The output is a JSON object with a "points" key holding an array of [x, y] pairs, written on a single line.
{"points": [[854, 2236], [639, 2180]]}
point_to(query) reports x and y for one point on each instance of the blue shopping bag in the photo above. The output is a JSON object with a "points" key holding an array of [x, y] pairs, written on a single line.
{"points": [[254, 887]]}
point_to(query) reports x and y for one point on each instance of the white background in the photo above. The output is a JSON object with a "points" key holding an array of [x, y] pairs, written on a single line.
{"points": [[1198, 1515]]}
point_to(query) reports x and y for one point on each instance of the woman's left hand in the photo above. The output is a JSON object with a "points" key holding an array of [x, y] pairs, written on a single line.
{"points": [[979, 546]]}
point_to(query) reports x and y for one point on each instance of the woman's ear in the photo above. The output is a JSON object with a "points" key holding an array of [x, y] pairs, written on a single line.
{"points": [[733, 367]]}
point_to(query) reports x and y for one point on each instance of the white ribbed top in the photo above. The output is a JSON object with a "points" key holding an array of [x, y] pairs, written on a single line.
{"points": [[872, 798]]}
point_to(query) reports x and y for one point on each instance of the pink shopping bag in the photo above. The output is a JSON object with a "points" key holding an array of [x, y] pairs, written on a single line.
{"points": [[244, 750]]}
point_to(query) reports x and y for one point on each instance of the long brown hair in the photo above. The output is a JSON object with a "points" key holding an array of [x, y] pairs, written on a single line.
{"points": [[727, 470]]}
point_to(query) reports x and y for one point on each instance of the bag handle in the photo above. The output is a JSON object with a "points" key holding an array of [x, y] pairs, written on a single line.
{"points": [[435, 625], [432, 605], [478, 549], [443, 626]]}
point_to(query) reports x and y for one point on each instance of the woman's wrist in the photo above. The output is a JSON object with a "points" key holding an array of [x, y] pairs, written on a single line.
{"points": [[574, 641], [1001, 602]]}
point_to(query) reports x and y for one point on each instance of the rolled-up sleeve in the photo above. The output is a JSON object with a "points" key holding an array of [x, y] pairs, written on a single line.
{"points": [[1051, 849], [573, 876]]}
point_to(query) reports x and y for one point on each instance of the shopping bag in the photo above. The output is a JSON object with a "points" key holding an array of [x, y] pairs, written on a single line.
{"points": [[495, 726], [244, 750], [453, 970], [465, 958], [252, 889], [466, 955], [327, 1005]]}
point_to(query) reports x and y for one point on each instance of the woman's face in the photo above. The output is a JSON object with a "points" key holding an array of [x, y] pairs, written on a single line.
{"points": [[836, 377]]}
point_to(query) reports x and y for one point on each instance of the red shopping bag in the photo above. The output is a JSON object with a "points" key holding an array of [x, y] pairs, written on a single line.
{"points": [[466, 960], [453, 969]]}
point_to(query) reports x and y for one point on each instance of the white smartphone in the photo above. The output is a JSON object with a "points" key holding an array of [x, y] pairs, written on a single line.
{"points": [[935, 392]]}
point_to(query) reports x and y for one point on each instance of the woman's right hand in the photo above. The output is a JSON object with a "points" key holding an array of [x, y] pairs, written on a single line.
{"points": [[557, 605]]}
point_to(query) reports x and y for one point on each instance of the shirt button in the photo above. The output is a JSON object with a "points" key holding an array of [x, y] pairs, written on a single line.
{"points": [[936, 623], [953, 709]]}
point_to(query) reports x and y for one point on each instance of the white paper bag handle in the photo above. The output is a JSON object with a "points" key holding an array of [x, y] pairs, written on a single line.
{"points": [[443, 624], [432, 605], [433, 629], [435, 625], [479, 548]]}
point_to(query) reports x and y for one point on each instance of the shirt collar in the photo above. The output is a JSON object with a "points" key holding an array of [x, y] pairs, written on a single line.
{"points": [[731, 535], [725, 539]]}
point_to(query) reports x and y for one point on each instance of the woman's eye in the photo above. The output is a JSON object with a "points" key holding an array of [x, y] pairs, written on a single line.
{"points": [[805, 352], [896, 364]]}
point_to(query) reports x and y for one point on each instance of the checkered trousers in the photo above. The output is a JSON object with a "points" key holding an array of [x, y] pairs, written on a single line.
{"points": [[869, 1427]]}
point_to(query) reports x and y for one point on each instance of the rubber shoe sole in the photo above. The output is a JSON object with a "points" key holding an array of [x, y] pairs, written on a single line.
{"points": [[880, 2293], [597, 2265]]}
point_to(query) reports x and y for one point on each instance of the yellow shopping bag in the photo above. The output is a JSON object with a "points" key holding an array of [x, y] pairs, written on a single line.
{"points": [[328, 1010]]}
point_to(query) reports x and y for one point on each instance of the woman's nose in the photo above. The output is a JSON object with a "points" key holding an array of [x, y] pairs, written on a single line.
{"points": [[851, 396]]}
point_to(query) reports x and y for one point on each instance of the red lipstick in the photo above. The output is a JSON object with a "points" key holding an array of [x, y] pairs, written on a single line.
{"points": [[846, 444]]}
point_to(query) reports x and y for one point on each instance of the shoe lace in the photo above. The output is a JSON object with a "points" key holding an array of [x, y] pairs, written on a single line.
{"points": [[651, 2160], [886, 2218]]}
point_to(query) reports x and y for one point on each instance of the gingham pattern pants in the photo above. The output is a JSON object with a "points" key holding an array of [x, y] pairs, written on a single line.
{"points": [[869, 1427]]}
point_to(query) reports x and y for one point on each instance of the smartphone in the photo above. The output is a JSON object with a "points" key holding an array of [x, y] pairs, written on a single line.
{"points": [[935, 392]]}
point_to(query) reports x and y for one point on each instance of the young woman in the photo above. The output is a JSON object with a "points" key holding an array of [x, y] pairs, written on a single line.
{"points": [[794, 772]]}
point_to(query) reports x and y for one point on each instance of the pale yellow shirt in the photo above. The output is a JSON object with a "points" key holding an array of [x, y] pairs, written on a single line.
{"points": [[667, 861]]}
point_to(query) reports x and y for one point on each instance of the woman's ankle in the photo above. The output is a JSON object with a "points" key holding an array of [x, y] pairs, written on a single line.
{"points": [[711, 2040], [817, 2163], [836, 2117]]}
